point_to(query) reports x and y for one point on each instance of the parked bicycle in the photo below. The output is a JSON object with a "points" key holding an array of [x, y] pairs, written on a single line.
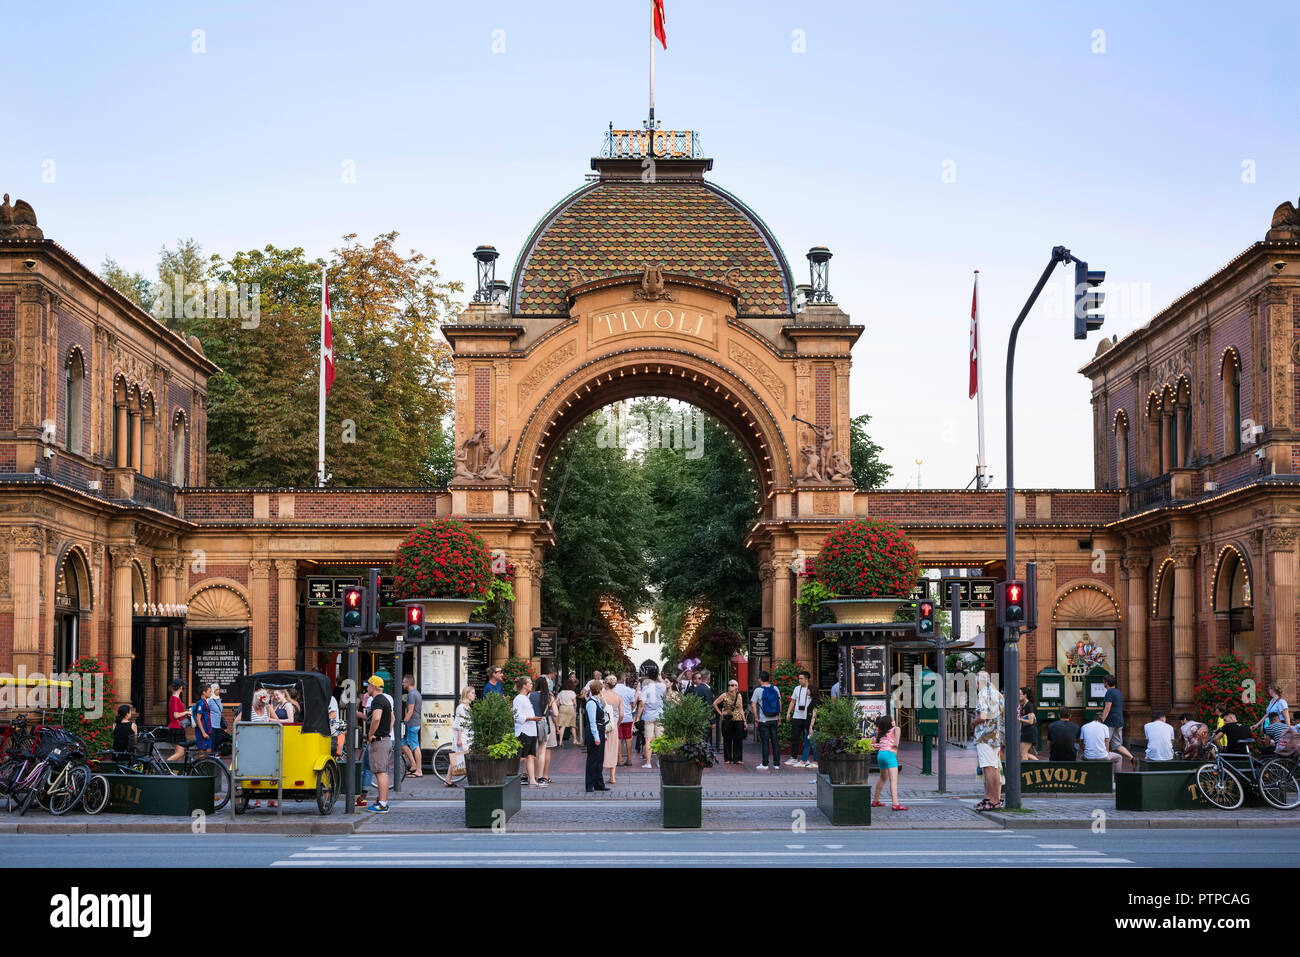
{"points": [[1273, 778], [152, 762]]}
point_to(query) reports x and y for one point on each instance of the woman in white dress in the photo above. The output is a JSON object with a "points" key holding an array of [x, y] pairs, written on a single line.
{"points": [[461, 736]]}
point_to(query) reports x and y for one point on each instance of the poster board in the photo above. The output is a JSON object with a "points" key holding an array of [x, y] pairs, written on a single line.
{"points": [[219, 656], [1078, 651]]}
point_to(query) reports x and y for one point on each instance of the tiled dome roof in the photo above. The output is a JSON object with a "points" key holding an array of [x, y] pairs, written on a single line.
{"points": [[614, 227]]}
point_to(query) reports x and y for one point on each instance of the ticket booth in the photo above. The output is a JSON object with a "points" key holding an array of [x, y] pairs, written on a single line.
{"points": [[1094, 692], [1049, 695]]}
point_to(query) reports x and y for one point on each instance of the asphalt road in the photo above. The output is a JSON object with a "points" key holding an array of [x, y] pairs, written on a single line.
{"points": [[1199, 847]]}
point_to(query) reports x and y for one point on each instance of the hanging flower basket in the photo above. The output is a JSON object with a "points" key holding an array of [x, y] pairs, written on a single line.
{"points": [[446, 565], [870, 566]]}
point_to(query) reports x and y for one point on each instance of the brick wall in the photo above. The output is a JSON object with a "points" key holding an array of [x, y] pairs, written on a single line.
{"points": [[937, 506], [482, 397], [350, 506], [74, 333], [237, 573], [822, 395]]}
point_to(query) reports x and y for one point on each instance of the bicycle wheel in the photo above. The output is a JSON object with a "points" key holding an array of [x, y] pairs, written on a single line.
{"points": [[1219, 786], [1278, 785], [327, 787], [220, 774], [68, 787], [442, 761], [95, 798], [37, 789]]}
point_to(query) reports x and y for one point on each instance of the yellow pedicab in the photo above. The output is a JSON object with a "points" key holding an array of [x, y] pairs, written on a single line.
{"points": [[294, 763]]}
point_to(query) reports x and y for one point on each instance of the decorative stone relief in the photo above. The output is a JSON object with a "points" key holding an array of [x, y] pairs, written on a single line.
{"points": [[756, 367], [545, 368]]}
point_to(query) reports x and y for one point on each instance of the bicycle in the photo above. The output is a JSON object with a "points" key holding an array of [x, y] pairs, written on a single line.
{"points": [[152, 762], [1273, 778]]}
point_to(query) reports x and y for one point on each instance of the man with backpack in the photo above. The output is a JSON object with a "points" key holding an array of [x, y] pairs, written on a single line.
{"points": [[766, 707]]}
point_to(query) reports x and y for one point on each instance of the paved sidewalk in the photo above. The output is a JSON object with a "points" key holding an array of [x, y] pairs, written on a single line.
{"points": [[735, 799]]}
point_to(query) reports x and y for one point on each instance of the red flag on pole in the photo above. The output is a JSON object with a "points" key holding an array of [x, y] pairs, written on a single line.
{"points": [[660, 33], [974, 340], [327, 341]]}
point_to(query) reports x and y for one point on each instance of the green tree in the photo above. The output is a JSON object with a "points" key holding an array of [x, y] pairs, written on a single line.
{"points": [[598, 501], [864, 454], [133, 285]]}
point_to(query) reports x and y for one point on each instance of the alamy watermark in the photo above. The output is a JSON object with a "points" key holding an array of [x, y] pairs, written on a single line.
{"points": [[80, 691], [624, 428], [192, 300]]}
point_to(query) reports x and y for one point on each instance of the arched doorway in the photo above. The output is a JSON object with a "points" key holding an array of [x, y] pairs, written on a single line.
{"points": [[1234, 612], [1160, 653], [1085, 623], [658, 284], [216, 645], [72, 606]]}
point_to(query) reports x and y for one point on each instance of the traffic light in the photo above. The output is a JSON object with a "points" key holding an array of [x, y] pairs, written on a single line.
{"points": [[354, 610], [372, 602], [415, 623], [1086, 320], [925, 627], [1011, 604]]}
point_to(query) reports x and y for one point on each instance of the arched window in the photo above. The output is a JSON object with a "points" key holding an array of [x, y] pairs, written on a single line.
{"points": [[179, 451], [1230, 373], [73, 393], [1121, 449]]}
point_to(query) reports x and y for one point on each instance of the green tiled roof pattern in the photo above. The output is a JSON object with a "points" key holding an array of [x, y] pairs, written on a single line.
{"points": [[621, 227]]}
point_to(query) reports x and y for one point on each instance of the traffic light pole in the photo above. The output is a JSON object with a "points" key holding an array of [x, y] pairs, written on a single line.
{"points": [[1011, 635], [350, 740]]}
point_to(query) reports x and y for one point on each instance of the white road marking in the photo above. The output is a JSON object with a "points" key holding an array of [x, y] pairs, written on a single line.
{"points": [[1057, 847]]}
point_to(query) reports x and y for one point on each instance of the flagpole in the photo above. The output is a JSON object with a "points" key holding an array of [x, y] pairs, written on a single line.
{"points": [[981, 466], [320, 457], [652, 67]]}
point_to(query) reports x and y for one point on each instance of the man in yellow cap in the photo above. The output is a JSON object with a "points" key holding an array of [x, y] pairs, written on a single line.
{"points": [[379, 737]]}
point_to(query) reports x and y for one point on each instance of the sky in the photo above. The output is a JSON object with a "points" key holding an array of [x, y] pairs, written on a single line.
{"points": [[918, 141]]}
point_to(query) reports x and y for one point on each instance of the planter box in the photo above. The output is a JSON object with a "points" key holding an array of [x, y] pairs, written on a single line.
{"points": [[159, 794], [1066, 777], [491, 805], [1171, 790], [681, 805], [844, 804]]}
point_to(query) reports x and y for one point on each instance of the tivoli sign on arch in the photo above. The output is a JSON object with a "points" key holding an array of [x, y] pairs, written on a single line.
{"points": [[686, 322]]}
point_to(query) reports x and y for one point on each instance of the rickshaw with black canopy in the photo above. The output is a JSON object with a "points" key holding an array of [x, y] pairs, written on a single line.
{"points": [[297, 764]]}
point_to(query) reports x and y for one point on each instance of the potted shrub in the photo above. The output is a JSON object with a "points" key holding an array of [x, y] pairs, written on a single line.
{"points": [[870, 567], [684, 749], [446, 566], [492, 741], [844, 755]]}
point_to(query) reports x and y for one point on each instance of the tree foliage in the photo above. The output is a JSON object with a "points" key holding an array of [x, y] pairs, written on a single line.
{"points": [[387, 415], [868, 470]]}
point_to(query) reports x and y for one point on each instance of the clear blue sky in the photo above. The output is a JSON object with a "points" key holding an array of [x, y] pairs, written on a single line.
{"points": [[1133, 157]]}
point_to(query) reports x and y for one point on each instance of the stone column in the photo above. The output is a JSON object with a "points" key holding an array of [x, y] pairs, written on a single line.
{"points": [[259, 588], [1166, 438], [91, 640], [1044, 637], [1184, 671], [782, 645], [522, 645], [804, 647], [1132, 642], [1280, 546], [168, 567], [29, 549], [123, 424], [765, 579], [286, 576], [122, 556], [1180, 440], [137, 451]]}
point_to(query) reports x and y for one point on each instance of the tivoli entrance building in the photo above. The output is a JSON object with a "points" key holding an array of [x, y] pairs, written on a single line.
{"points": [[647, 280]]}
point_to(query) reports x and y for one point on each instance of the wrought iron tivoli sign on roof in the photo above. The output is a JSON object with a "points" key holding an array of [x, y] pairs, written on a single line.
{"points": [[637, 144]]}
